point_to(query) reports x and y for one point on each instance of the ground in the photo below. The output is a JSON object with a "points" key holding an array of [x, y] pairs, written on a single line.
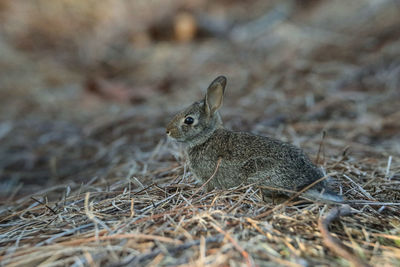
{"points": [[87, 176]]}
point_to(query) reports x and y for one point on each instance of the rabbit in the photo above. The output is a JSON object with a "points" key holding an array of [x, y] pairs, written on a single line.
{"points": [[243, 158]]}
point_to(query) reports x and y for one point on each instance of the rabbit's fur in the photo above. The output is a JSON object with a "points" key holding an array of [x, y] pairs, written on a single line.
{"points": [[244, 158]]}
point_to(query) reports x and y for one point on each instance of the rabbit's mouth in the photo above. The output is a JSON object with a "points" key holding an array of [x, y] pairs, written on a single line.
{"points": [[173, 136]]}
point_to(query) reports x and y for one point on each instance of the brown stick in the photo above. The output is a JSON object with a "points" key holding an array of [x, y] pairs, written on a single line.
{"points": [[321, 144], [245, 254], [334, 244], [44, 204]]}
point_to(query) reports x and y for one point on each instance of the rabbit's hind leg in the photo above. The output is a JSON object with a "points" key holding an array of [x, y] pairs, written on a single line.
{"points": [[274, 197]]}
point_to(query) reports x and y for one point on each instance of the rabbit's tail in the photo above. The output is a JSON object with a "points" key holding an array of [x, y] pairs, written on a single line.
{"points": [[324, 196]]}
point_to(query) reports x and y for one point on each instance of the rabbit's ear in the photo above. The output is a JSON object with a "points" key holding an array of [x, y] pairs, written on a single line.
{"points": [[215, 94]]}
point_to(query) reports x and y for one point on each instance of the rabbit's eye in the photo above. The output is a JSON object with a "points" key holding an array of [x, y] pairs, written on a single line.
{"points": [[189, 120]]}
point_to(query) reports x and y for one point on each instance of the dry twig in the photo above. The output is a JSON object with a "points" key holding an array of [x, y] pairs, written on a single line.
{"points": [[334, 244]]}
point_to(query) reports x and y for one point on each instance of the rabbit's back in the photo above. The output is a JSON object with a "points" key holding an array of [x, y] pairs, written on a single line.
{"points": [[248, 158]]}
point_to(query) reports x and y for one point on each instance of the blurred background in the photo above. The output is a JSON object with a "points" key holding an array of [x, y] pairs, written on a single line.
{"points": [[86, 87]]}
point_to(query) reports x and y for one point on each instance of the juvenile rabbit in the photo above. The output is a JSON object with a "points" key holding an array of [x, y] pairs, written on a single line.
{"points": [[244, 158]]}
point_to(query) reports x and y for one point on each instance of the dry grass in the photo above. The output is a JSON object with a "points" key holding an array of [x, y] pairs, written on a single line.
{"points": [[139, 220], [87, 178]]}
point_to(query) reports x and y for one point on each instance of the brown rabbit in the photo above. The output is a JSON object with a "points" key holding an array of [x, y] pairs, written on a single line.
{"points": [[245, 158]]}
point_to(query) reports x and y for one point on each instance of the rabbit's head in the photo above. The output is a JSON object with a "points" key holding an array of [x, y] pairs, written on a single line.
{"points": [[198, 121]]}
